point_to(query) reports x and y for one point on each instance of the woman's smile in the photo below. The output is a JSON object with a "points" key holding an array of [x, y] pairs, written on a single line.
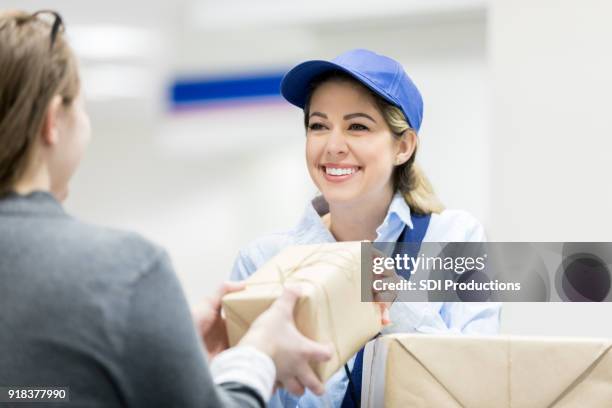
{"points": [[338, 173]]}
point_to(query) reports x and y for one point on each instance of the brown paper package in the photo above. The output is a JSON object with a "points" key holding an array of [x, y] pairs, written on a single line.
{"points": [[329, 309], [481, 372]]}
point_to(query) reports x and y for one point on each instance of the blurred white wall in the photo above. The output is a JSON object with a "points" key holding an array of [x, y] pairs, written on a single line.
{"points": [[550, 65]]}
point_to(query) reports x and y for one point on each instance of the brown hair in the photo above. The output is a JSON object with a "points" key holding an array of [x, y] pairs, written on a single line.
{"points": [[35, 66], [408, 178]]}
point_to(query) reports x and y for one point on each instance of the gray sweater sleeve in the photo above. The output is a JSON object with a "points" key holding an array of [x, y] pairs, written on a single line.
{"points": [[163, 358]]}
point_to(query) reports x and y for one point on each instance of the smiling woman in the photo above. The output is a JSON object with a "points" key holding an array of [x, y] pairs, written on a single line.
{"points": [[375, 131], [359, 147], [362, 114]]}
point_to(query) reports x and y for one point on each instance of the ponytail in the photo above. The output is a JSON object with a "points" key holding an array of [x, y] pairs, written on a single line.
{"points": [[408, 178]]}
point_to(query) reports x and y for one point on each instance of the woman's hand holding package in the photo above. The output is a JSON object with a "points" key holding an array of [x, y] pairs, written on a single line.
{"points": [[384, 298]]}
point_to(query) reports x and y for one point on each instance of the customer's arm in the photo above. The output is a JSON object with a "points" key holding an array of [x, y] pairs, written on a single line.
{"points": [[163, 361]]}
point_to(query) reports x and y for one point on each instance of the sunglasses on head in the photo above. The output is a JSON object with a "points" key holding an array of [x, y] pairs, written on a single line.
{"points": [[56, 25]]}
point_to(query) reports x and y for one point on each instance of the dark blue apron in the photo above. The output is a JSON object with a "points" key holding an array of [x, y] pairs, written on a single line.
{"points": [[352, 397]]}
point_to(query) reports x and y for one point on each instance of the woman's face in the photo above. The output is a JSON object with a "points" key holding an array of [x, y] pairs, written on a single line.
{"points": [[74, 133], [350, 149]]}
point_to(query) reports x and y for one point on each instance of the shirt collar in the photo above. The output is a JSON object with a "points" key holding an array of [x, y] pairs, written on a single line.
{"points": [[312, 229], [397, 218], [399, 209], [36, 202]]}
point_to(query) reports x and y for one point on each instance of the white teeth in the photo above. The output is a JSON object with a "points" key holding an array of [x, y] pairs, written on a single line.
{"points": [[339, 172]]}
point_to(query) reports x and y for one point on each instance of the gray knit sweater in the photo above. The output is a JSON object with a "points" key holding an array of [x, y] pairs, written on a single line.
{"points": [[99, 311]]}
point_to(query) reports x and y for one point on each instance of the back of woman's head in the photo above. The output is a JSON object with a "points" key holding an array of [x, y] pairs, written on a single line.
{"points": [[36, 64]]}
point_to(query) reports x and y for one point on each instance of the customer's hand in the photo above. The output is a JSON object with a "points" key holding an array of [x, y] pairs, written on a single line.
{"points": [[209, 322], [274, 333]]}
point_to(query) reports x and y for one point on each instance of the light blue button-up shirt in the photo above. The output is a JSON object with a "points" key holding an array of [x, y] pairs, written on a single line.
{"points": [[431, 317]]}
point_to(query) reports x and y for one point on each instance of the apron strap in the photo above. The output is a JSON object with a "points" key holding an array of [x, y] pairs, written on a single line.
{"points": [[352, 397]]}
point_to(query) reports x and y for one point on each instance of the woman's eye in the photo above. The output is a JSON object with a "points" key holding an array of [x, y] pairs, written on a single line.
{"points": [[357, 126], [315, 126]]}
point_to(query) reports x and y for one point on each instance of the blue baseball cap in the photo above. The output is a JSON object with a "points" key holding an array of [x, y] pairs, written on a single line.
{"points": [[383, 75]]}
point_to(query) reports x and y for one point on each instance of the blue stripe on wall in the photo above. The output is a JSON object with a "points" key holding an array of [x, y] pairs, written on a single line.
{"points": [[203, 90]]}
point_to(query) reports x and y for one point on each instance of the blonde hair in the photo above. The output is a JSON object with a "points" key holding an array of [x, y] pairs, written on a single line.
{"points": [[408, 178], [36, 64]]}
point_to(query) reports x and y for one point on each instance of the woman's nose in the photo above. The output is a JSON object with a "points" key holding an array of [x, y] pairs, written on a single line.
{"points": [[336, 143]]}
